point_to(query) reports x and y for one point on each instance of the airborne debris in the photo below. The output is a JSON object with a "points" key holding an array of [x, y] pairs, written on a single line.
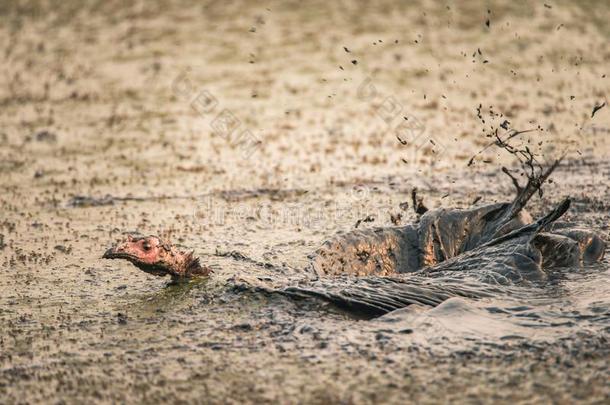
{"points": [[418, 203], [369, 218], [46, 136], [596, 108]]}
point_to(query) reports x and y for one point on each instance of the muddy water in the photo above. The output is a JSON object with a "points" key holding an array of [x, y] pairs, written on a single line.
{"points": [[233, 126]]}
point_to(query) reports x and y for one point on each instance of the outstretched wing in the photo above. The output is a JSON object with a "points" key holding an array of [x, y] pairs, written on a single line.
{"points": [[503, 260], [375, 296]]}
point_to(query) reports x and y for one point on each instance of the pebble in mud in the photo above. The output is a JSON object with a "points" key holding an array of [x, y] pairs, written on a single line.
{"points": [[121, 318]]}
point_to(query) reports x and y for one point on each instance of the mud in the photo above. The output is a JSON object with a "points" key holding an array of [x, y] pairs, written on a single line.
{"points": [[110, 126]]}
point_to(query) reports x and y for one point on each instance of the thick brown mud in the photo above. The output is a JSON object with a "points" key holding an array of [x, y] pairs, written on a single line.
{"points": [[265, 129]]}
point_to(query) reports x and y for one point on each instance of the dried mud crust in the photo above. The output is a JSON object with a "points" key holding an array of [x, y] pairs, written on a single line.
{"points": [[95, 141]]}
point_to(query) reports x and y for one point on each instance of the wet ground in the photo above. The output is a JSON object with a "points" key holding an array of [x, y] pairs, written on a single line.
{"points": [[265, 129]]}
